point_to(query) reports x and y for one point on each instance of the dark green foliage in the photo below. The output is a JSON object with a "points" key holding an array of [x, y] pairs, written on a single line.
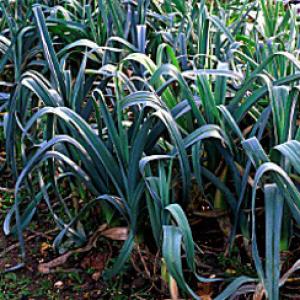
{"points": [[133, 103]]}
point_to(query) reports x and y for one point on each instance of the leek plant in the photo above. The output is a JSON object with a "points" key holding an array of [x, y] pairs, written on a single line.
{"points": [[134, 104]]}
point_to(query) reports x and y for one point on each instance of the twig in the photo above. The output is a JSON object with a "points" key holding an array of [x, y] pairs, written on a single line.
{"points": [[44, 234], [143, 262], [31, 237], [7, 190]]}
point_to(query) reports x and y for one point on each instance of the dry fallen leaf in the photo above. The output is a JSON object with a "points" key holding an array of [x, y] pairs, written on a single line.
{"points": [[116, 233], [46, 267], [206, 297], [96, 261], [44, 247], [205, 290]]}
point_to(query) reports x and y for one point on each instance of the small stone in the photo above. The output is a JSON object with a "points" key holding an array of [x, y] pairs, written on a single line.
{"points": [[58, 285], [96, 276]]}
